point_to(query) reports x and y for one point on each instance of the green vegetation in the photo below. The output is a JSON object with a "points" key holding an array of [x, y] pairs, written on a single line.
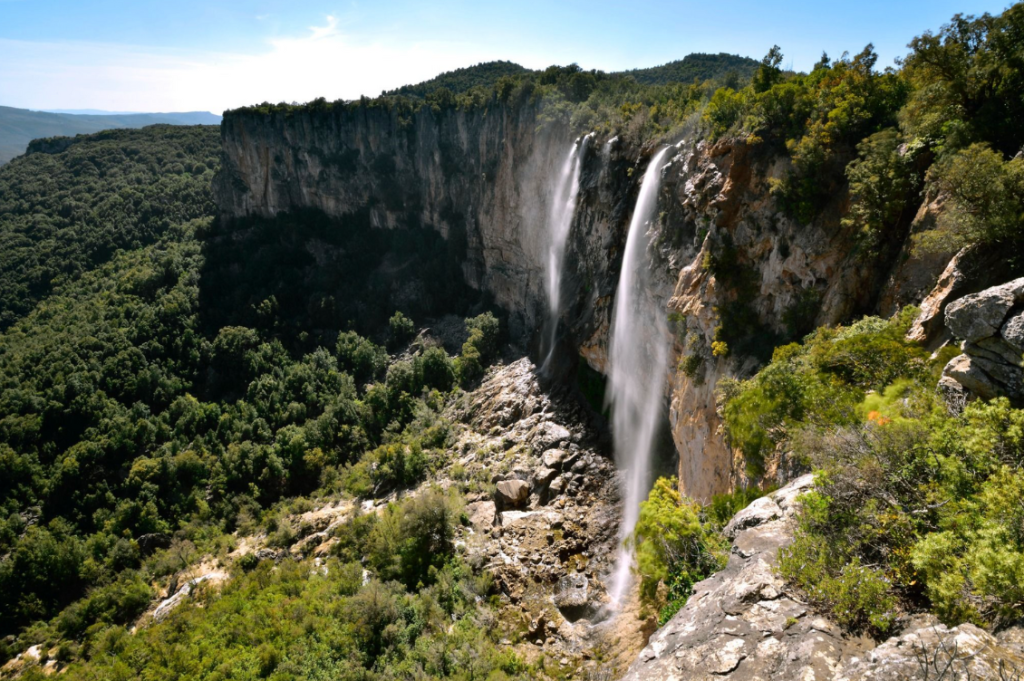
{"points": [[728, 69], [675, 546], [18, 127], [183, 380], [283, 622], [460, 80], [914, 508], [63, 214]]}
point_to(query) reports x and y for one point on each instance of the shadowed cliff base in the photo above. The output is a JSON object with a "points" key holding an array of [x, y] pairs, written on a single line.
{"points": [[311, 276]]}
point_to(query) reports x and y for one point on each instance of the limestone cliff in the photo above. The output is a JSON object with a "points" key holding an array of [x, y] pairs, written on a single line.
{"points": [[736, 276]]}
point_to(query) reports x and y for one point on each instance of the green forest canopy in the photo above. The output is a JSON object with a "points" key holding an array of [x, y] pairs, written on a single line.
{"points": [[132, 403]]}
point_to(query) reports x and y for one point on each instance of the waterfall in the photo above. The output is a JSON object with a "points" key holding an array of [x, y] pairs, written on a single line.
{"points": [[637, 359], [563, 208]]}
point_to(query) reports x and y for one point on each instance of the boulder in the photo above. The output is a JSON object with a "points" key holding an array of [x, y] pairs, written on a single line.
{"points": [[572, 596], [542, 477], [953, 394], [553, 458], [981, 315], [512, 493], [759, 512], [549, 435], [996, 349], [966, 371], [1009, 379], [1013, 333]]}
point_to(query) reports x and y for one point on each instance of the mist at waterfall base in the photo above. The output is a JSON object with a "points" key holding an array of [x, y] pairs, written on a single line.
{"points": [[563, 208], [637, 365]]}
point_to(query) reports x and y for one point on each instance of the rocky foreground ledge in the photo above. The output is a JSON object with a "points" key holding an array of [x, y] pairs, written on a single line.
{"points": [[744, 623]]}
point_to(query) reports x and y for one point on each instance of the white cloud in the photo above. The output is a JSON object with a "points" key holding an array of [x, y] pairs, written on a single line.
{"points": [[326, 62]]}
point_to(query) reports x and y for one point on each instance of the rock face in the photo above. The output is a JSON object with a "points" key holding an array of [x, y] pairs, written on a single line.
{"points": [[484, 180], [991, 326], [744, 623]]}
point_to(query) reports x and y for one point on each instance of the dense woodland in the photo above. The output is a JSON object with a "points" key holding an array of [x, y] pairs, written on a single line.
{"points": [[132, 409], [167, 381]]}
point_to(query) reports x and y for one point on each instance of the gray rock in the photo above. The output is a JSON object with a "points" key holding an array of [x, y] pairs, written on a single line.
{"points": [[761, 511], [553, 458], [542, 477], [572, 596], [959, 653], [512, 493], [981, 315], [953, 394], [548, 435], [1013, 332], [267, 554], [1009, 379], [997, 349], [965, 370]]}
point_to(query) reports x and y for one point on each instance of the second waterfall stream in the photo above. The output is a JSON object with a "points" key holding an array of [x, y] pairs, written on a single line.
{"points": [[563, 208], [637, 362]]}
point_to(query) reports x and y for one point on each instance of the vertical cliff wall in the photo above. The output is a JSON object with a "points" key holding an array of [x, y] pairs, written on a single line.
{"points": [[736, 276]]}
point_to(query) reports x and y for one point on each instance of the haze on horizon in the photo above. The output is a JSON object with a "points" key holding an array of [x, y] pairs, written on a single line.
{"points": [[197, 56]]}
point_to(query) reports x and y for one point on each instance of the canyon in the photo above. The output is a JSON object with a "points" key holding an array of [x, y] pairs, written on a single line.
{"points": [[486, 179]]}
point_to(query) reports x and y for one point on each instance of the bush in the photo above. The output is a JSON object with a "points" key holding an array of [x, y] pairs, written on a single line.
{"points": [[673, 546], [986, 197], [438, 370], [400, 329], [484, 333], [359, 357]]}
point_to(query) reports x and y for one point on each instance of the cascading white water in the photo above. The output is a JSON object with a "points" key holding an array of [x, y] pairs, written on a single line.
{"points": [[563, 208], [637, 359]]}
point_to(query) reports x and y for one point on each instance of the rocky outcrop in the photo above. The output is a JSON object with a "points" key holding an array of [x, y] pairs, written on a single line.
{"points": [[928, 650], [726, 262], [990, 325], [745, 623]]}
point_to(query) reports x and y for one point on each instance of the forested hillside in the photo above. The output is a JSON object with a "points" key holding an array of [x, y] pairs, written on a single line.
{"points": [[62, 214], [178, 393], [729, 69], [20, 126], [132, 410]]}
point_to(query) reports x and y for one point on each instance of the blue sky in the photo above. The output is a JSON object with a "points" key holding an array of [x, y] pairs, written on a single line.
{"points": [[208, 55]]}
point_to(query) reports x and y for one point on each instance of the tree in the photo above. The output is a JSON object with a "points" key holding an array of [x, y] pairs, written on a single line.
{"points": [[401, 329], [768, 73]]}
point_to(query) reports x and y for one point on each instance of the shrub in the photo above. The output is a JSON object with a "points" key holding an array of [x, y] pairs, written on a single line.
{"points": [[673, 546], [438, 370], [400, 329], [484, 332], [361, 358]]}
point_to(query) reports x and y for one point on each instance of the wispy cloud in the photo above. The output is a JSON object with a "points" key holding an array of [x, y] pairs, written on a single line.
{"points": [[321, 32]]}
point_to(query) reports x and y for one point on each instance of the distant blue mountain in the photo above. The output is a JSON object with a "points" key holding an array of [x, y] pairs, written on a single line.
{"points": [[18, 127], [89, 112]]}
